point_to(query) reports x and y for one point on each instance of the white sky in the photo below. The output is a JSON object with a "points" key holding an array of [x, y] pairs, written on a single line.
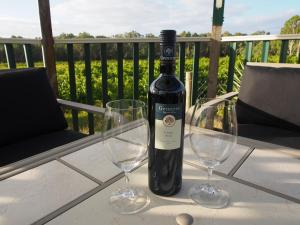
{"points": [[107, 17]]}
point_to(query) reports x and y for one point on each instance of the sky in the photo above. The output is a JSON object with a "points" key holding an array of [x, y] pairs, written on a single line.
{"points": [[108, 17]]}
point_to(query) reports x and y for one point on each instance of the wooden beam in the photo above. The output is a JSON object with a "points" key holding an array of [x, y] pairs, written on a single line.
{"points": [[48, 42], [214, 55], [215, 45]]}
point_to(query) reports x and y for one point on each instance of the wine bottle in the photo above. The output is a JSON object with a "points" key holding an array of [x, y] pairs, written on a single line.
{"points": [[166, 105]]}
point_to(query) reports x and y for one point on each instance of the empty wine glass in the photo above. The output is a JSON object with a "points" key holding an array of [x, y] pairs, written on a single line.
{"points": [[125, 138], [213, 135]]}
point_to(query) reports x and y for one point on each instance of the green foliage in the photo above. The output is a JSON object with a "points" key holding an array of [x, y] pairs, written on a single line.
{"points": [[64, 86], [292, 26]]}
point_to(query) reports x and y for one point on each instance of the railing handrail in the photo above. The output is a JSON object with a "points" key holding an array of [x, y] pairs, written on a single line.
{"points": [[20, 41], [261, 37], [126, 40], [154, 40]]}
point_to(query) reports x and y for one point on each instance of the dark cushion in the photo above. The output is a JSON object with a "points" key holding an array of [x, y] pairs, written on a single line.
{"points": [[32, 146], [247, 114], [28, 106], [270, 134], [269, 95]]}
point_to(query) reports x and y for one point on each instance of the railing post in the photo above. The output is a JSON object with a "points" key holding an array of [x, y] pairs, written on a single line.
{"points": [[265, 51], [248, 51], [72, 84], [88, 83], [195, 72], [28, 55], [135, 70], [232, 55], [151, 53], [120, 70], [188, 88], [48, 42], [104, 73], [181, 61], [10, 56], [283, 51]]}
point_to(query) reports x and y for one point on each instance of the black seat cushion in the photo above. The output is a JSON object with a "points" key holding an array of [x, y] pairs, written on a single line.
{"points": [[247, 114], [269, 95], [32, 146], [28, 106], [269, 134]]}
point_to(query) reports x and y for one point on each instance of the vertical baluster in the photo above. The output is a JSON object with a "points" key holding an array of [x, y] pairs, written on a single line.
{"points": [[87, 62], [232, 56], [104, 73], [72, 84], [283, 51], [248, 51], [135, 70], [120, 70], [265, 51], [181, 61], [10, 56], [151, 56], [28, 55], [195, 72]]}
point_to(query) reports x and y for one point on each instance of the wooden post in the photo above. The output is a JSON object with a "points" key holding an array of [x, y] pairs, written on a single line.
{"points": [[215, 45], [48, 42], [188, 89]]}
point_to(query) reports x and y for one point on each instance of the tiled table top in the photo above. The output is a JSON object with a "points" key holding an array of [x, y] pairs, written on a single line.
{"points": [[248, 206], [94, 162], [33, 194], [274, 169], [237, 155], [74, 189]]}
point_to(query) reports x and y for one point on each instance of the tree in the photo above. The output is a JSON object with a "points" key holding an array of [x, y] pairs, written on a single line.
{"points": [[65, 36], [292, 26], [260, 32]]}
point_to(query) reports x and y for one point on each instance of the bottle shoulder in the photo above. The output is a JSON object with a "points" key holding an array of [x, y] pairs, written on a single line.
{"points": [[166, 84]]}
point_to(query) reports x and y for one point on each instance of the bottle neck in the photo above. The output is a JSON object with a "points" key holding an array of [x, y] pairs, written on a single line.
{"points": [[167, 68]]}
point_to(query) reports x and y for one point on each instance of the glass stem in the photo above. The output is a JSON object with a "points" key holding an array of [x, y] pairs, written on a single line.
{"points": [[209, 173], [126, 178]]}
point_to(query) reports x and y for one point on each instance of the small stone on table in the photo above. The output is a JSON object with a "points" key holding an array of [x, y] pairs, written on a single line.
{"points": [[184, 219]]}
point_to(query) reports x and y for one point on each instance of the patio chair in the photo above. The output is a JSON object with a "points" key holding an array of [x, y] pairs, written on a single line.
{"points": [[31, 120], [268, 104]]}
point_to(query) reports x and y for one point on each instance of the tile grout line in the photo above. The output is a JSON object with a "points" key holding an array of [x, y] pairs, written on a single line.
{"points": [[127, 141], [77, 200], [241, 161], [247, 183], [79, 171]]}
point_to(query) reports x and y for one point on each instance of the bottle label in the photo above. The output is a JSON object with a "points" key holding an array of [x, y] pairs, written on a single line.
{"points": [[168, 120]]}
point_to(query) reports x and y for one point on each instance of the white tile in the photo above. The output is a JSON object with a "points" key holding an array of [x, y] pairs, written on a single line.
{"points": [[137, 135], [248, 206], [33, 194], [278, 170], [94, 161], [236, 155]]}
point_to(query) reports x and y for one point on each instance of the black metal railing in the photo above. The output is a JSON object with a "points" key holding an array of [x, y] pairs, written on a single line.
{"points": [[182, 42]]}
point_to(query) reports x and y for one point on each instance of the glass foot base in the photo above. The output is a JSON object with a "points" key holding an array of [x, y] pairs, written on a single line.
{"points": [[129, 200], [209, 196]]}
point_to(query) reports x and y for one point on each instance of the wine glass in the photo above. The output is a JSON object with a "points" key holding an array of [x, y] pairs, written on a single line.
{"points": [[126, 137], [213, 136]]}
